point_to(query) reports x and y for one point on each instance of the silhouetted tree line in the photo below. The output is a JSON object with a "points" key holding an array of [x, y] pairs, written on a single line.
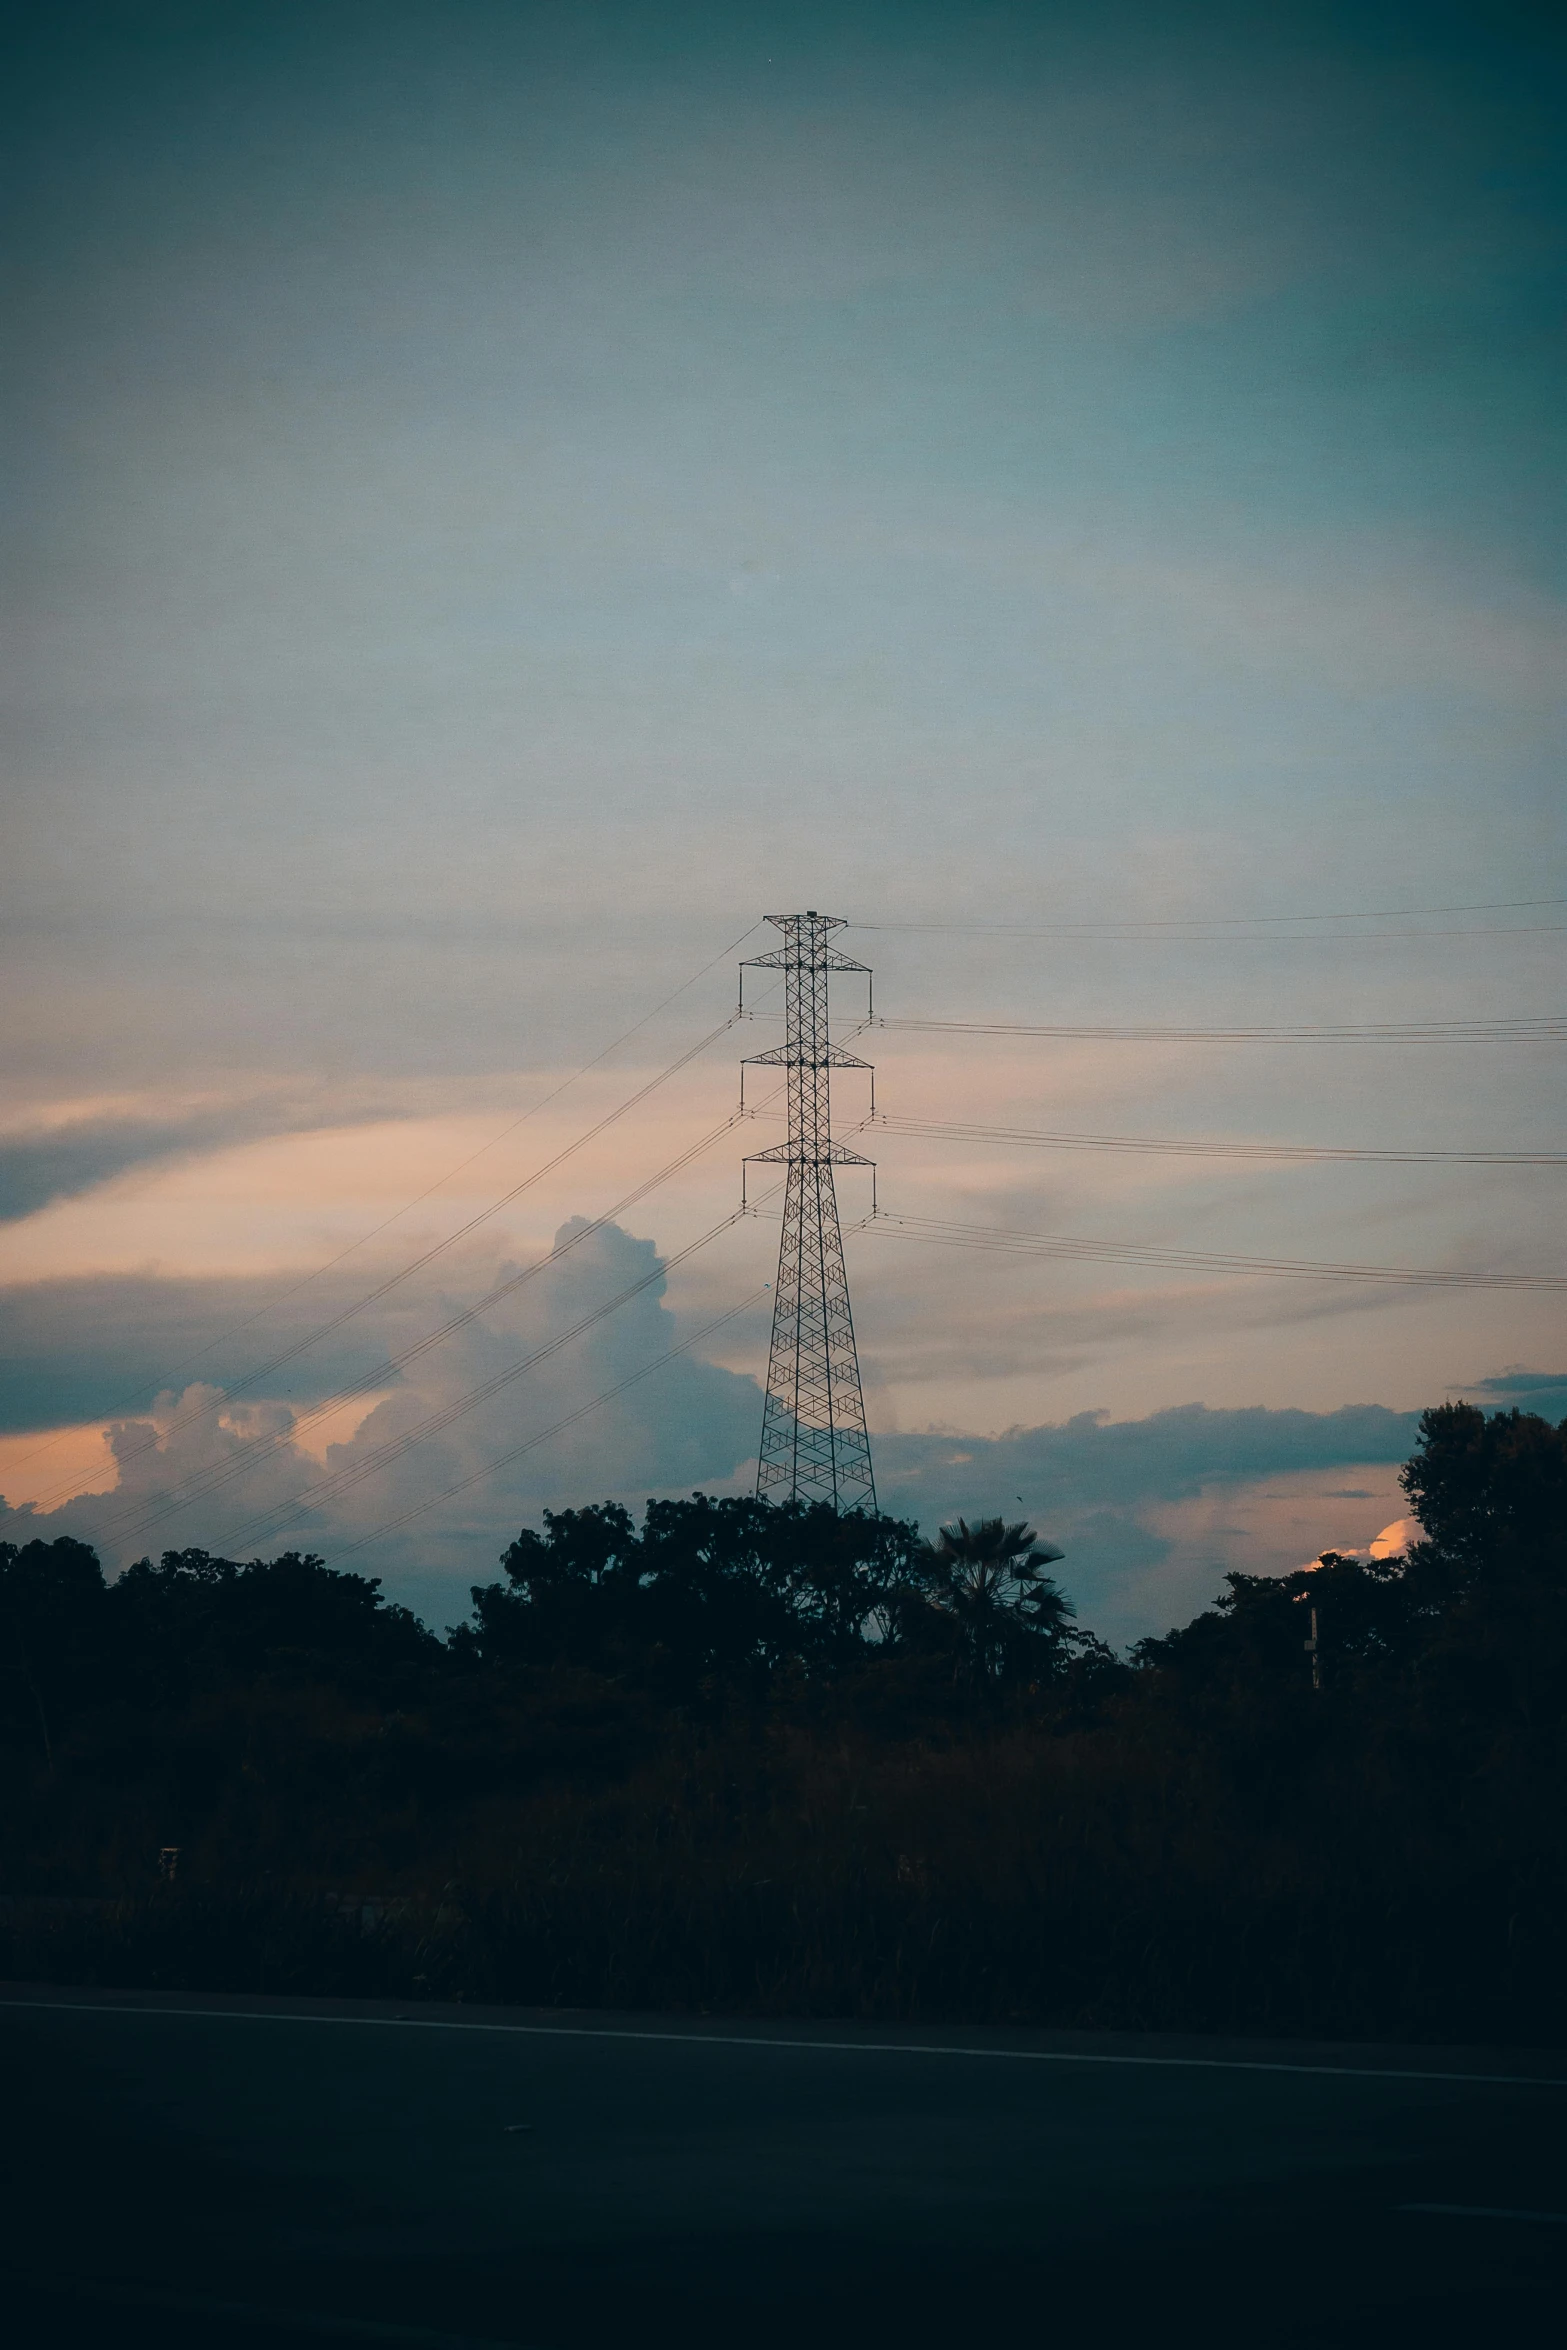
{"points": [[712, 1596], [775, 1758]]}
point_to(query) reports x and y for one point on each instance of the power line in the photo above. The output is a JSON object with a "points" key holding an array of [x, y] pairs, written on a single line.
{"points": [[165, 1378], [224, 1472], [1220, 923], [206, 1482], [504, 1460], [1138, 934], [940, 1130], [301, 1346], [1543, 1029], [251, 1455], [1051, 1244], [384, 1456], [1519, 1029]]}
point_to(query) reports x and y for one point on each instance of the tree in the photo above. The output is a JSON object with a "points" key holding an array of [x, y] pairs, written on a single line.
{"points": [[1488, 1585], [1490, 1492], [844, 1574], [714, 1599], [990, 1580], [568, 1592], [51, 1599]]}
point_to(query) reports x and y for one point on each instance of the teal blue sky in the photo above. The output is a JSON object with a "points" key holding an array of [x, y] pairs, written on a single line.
{"points": [[500, 498]]}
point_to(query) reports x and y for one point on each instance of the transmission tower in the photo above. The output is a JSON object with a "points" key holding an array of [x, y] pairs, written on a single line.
{"points": [[814, 1441]]}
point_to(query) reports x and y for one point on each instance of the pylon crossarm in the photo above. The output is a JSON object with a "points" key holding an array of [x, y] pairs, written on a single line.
{"points": [[784, 1056], [784, 1154], [790, 959]]}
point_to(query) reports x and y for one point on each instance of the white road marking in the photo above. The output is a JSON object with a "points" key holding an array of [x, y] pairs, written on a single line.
{"points": [[116, 2294], [1549, 2219], [394, 2023]]}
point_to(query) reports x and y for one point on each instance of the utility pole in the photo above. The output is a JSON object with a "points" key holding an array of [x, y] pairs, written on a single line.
{"points": [[814, 1441]]}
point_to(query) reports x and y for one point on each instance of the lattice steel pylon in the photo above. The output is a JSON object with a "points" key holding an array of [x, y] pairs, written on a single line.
{"points": [[815, 1446]]}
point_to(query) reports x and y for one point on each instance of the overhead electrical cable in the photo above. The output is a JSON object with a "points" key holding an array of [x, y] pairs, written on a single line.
{"points": [[224, 1472], [1053, 1244], [270, 1521], [1219, 923], [137, 1518], [1142, 935], [582, 1412], [163, 1379], [1549, 1028], [504, 1460], [1173, 1146], [220, 1401]]}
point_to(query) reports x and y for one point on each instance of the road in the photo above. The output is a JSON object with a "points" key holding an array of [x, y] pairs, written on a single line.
{"points": [[189, 2171]]}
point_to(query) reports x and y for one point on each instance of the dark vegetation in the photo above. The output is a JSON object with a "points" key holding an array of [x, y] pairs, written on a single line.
{"points": [[747, 1758]]}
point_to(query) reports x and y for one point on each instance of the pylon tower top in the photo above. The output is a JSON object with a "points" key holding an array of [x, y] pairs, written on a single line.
{"points": [[815, 1446]]}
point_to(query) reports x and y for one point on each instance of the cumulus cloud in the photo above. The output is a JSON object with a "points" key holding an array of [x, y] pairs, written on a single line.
{"points": [[235, 1476], [1153, 1513], [1391, 1543], [1092, 1461]]}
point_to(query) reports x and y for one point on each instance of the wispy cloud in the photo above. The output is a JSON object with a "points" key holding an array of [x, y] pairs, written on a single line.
{"points": [[73, 1155], [1544, 1392]]}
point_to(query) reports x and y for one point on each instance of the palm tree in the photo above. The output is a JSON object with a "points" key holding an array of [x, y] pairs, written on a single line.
{"points": [[991, 1578]]}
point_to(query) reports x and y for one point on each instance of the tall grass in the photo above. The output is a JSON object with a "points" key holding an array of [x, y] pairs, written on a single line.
{"points": [[1094, 1878]]}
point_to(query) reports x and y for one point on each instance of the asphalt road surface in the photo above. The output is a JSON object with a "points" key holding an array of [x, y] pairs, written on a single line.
{"points": [[186, 2172]]}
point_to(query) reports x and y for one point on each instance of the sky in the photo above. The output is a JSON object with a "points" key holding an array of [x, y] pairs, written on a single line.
{"points": [[500, 499]]}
